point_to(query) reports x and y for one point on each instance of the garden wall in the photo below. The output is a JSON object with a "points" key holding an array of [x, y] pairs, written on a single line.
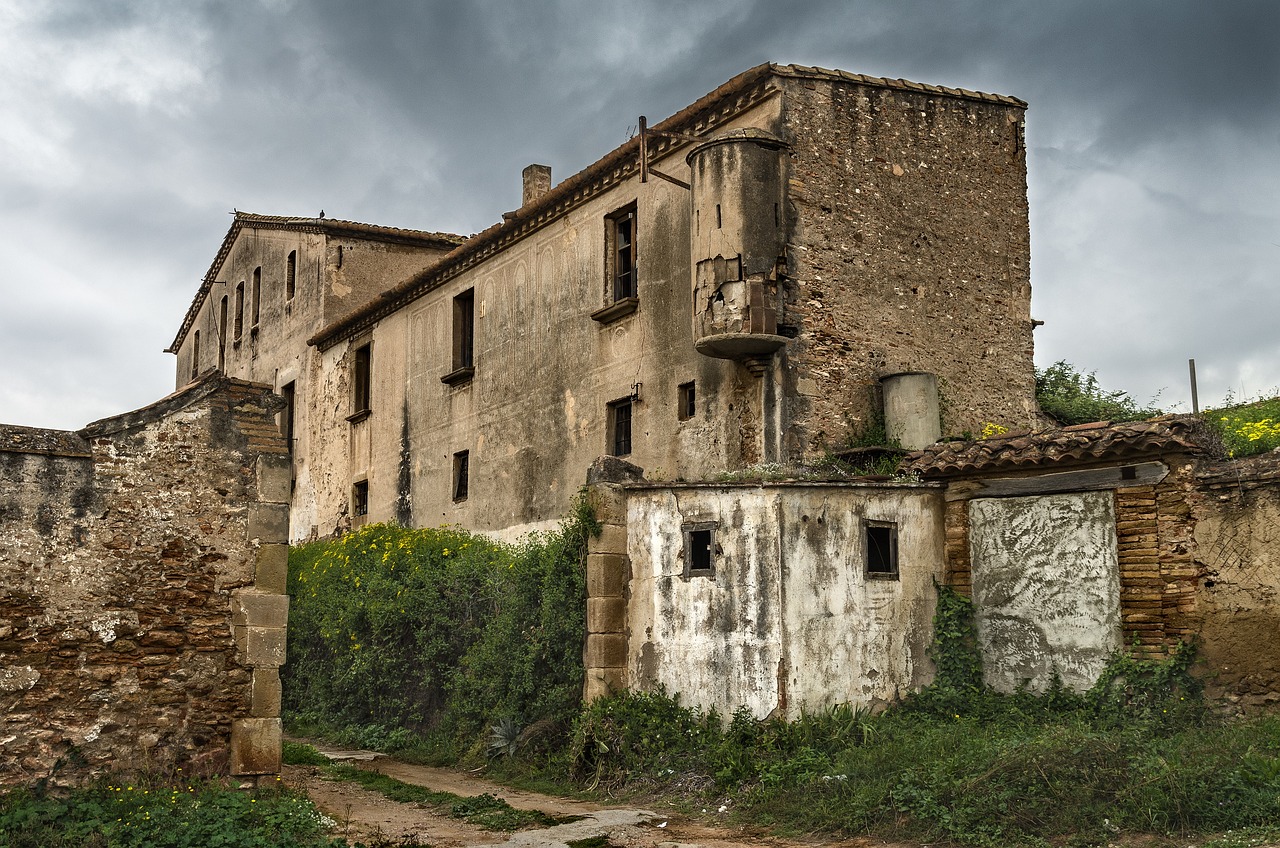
{"points": [[142, 577]]}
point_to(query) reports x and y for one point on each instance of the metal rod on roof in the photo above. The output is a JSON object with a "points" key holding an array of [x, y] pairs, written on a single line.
{"points": [[1195, 397]]}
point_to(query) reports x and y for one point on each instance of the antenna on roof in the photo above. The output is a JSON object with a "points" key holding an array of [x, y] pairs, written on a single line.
{"points": [[645, 168]]}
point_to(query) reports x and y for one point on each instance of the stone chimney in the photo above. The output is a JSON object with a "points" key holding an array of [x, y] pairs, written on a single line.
{"points": [[537, 182]]}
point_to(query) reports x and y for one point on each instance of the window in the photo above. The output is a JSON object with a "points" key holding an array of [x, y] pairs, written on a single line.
{"points": [[464, 338], [620, 246], [700, 549], [688, 402], [239, 312], [257, 296], [195, 354], [360, 499], [361, 372], [222, 334], [620, 427], [290, 275], [461, 472], [289, 393], [882, 550]]}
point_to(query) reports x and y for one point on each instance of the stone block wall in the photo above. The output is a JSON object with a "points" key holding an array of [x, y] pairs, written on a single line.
{"points": [[142, 576], [608, 580], [911, 252]]}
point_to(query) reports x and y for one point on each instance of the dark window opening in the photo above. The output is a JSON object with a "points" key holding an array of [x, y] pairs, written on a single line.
{"points": [[620, 427], [290, 275], [239, 312], [688, 402], [620, 237], [222, 334], [289, 393], [195, 354], [699, 549], [882, 549], [360, 499], [464, 329], [461, 473], [360, 380], [257, 296]]}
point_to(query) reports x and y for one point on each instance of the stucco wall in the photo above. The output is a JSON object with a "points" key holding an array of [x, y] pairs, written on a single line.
{"points": [[789, 621], [142, 570], [1046, 588]]}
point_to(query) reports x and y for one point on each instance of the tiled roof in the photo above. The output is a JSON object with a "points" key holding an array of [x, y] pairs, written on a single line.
{"points": [[328, 226], [699, 118], [1080, 444]]}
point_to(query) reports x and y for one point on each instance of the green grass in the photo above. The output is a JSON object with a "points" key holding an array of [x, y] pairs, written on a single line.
{"points": [[1249, 428], [120, 813]]}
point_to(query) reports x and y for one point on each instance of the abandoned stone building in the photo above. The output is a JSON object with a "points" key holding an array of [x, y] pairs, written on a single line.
{"points": [[724, 290], [766, 275]]}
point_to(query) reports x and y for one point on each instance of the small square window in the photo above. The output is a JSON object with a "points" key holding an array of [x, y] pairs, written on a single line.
{"points": [[882, 550], [620, 427], [688, 401], [461, 473], [360, 499], [700, 549]]}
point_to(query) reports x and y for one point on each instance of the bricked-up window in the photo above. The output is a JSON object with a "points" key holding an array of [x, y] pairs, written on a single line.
{"points": [[361, 374], [688, 402], [464, 330], [620, 427], [195, 354], [257, 296], [882, 550], [620, 253], [699, 549], [290, 275], [290, 394], [360, 499], [461, 475], [239, 312]]}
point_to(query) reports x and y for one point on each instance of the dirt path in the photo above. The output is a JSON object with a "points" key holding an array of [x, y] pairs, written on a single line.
{"points": [[368, 816]]}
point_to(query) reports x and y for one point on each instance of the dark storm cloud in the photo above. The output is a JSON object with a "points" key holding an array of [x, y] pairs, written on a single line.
{"points": [[131, 129]]}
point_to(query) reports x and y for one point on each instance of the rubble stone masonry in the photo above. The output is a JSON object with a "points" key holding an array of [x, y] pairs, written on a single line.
{"points": [[142, 578]]}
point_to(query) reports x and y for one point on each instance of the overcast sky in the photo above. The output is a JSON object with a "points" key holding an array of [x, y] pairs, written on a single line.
{"points": [[129, 131]]}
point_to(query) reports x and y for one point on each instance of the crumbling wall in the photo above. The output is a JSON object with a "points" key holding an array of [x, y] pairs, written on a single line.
{"points": [[789, 618], [1235, 507], [142, 576]]}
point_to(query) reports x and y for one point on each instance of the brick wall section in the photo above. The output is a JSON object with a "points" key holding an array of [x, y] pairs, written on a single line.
{"points": [[141, 590], [608, 577], [959, 567], [910, 252]]}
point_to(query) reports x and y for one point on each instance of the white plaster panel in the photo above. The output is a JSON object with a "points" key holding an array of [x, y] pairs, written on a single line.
{"points": [[1046, 588]]}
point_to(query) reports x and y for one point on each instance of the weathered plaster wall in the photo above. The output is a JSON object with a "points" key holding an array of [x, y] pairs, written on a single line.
{"points": [[790, 620], [1046, 588], [535, 413], [1236, 511], [142, 572], [910, 252]]}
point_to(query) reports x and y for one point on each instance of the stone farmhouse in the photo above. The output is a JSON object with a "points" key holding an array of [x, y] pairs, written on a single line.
{"points": [[725, 290], [794, 259]]}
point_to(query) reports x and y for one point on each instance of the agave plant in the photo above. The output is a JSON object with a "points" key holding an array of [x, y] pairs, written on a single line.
{"points": [[504, 738]]}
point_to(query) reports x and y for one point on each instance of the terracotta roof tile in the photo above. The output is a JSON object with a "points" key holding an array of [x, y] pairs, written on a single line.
{"points": [[1081, 443]]}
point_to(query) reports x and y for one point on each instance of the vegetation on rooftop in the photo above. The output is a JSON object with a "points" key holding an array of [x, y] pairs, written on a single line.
{"points": [[1247, 428], [1071, 396]]}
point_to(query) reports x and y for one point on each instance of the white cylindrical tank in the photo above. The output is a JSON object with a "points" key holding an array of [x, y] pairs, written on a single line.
{"points": [[912, 415]]}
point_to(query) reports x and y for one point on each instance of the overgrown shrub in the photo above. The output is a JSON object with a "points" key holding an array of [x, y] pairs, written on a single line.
{"points": [[403, 632], [1247, 428], [1074, 397]]}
